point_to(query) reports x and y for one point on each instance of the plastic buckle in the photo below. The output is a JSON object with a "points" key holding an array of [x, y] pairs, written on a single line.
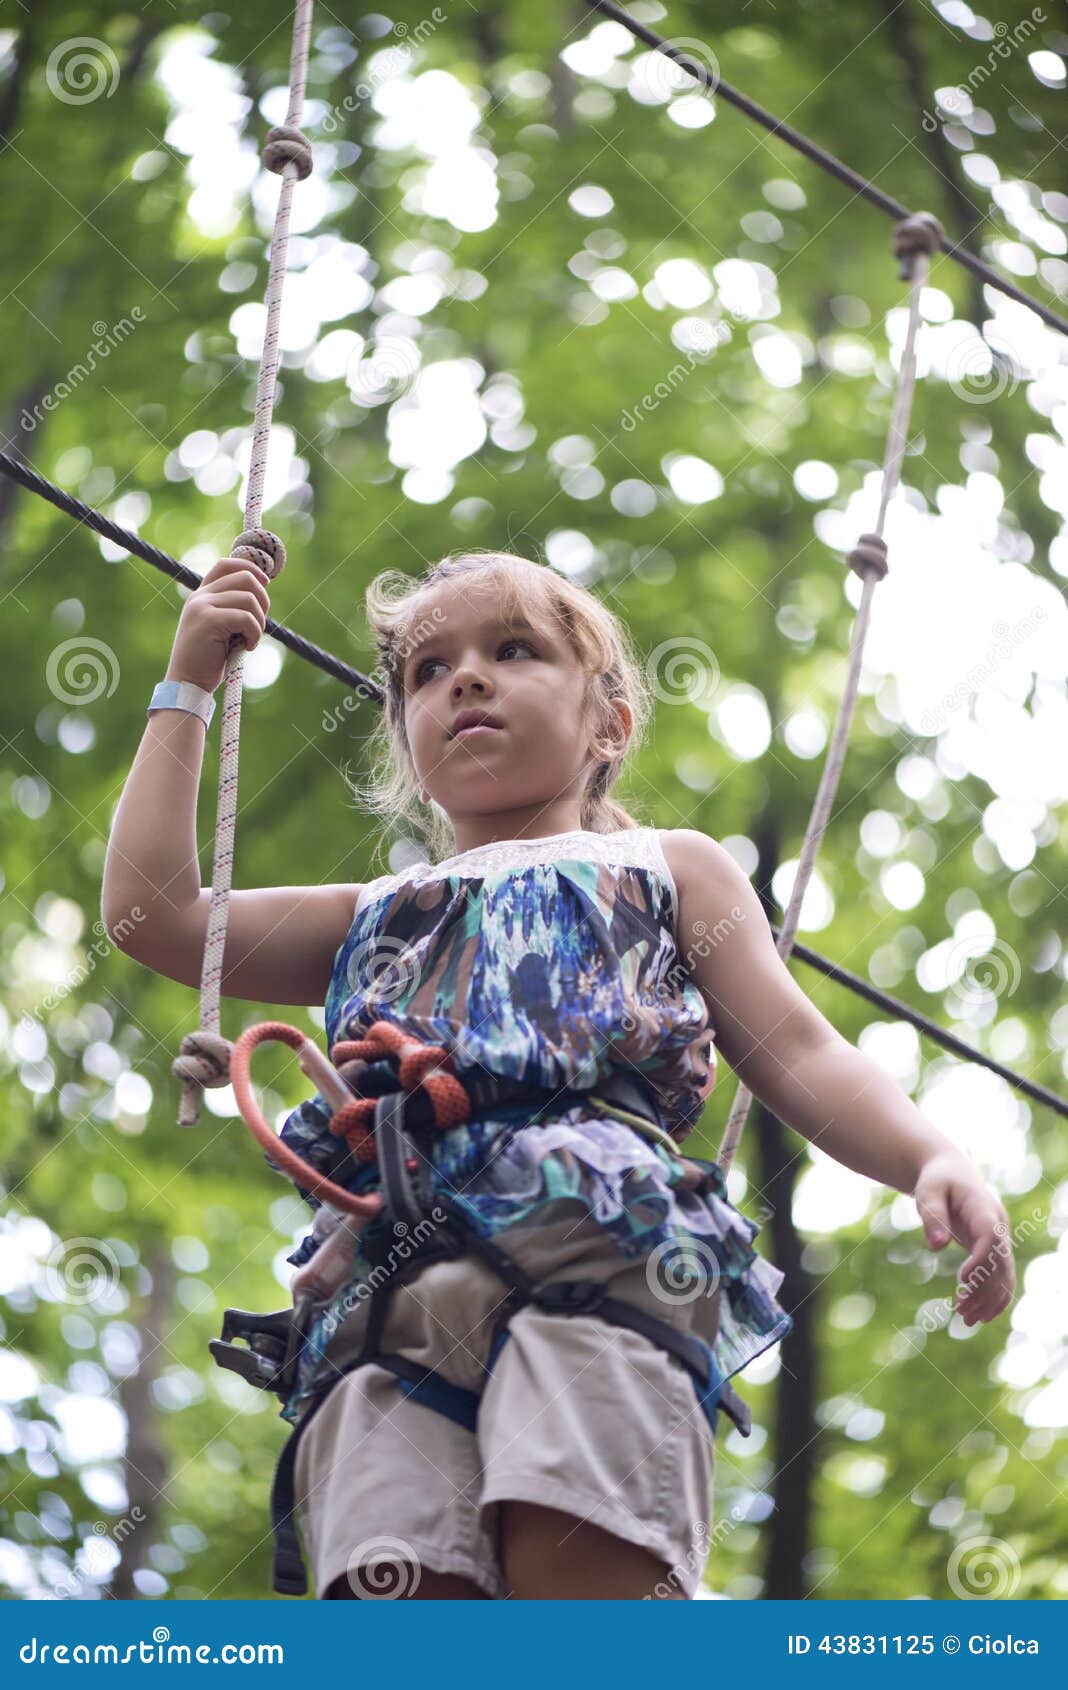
{"points": [[247, 1323], [256, 1369], [267, 1336], [569, 1296]]}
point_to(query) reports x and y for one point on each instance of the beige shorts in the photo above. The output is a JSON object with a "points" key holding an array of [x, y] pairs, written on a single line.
{"points": [[578, 1415]]}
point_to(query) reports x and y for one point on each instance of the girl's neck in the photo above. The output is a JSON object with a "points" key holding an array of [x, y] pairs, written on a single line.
{"points": [[548, 821]]}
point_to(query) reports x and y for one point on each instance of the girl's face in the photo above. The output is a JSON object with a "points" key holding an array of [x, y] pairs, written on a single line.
{"points": [[464, 653]]}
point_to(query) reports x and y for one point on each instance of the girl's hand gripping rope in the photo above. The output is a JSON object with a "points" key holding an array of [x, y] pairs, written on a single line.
{"points": [[230, 603]]}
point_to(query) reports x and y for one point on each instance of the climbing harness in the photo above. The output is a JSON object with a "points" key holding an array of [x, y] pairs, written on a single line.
{"points": [[391, 1095]]}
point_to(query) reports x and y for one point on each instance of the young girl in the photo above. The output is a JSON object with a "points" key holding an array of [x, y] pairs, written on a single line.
{"points": [[552, 942]]}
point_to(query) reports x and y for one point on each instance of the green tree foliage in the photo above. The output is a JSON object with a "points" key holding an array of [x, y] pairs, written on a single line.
{"points": [[118, 237]]}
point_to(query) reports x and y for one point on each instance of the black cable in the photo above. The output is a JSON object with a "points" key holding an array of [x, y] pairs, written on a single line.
{"points": [[820, 156], [95, 519], [16, 470], [949, 1041]]}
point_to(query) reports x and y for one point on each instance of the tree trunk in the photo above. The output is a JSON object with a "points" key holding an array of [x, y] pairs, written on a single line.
{"points": [[788, 1540], [145, 1463], [774, 1167]]}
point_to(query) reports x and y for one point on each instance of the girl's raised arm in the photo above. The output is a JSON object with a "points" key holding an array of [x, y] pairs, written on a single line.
{"points": [[790, 1057], [280, 940]]}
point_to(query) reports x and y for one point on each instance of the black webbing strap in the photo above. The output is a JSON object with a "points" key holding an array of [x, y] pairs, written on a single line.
{"points": [[288, 1576]]}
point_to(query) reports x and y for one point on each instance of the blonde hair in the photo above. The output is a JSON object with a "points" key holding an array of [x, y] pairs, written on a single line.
{"points": [[595, 635]]}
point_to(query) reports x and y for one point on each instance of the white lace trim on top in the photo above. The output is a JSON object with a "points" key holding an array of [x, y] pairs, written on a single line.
{"points": [[630, 847]]}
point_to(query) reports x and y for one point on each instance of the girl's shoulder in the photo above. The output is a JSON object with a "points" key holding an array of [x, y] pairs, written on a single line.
{"points": [[697, 860]]}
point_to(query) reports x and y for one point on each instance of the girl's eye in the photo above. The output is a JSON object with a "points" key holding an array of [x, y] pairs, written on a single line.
{"points": [[429, 662], [420, 673]]}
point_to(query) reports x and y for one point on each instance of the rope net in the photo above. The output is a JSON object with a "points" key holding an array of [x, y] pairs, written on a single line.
{"points": [[205, 1055]]}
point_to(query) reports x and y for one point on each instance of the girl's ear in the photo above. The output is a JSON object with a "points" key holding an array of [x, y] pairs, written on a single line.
{"points": [[618, 735], [610, 744]]}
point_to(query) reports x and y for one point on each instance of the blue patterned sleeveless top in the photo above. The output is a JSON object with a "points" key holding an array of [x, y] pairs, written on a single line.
{"points": [[549, 961]]}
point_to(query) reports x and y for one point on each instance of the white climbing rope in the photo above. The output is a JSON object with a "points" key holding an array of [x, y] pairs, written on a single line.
{"points": [[916, 238], [205, 1054]]}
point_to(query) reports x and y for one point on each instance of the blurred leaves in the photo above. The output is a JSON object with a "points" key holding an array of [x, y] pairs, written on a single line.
{"points": [[110, 207]]}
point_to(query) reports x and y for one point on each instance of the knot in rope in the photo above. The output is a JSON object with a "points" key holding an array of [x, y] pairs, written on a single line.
{"points": [[868, 557], [922, 232], [419, 1066], [285, 144], [204, 1061], [263, 548]]}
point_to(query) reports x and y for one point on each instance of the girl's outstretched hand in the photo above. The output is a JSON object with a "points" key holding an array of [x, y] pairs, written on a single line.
{"points": [[954, 1203]]}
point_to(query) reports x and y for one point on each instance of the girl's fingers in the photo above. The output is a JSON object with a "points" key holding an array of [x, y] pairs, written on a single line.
{"points": [[239, 598], [988, 1299], [256, 578]]}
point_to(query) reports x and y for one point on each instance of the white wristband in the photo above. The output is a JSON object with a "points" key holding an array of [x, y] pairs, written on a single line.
{"points": [[183, 695]]}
